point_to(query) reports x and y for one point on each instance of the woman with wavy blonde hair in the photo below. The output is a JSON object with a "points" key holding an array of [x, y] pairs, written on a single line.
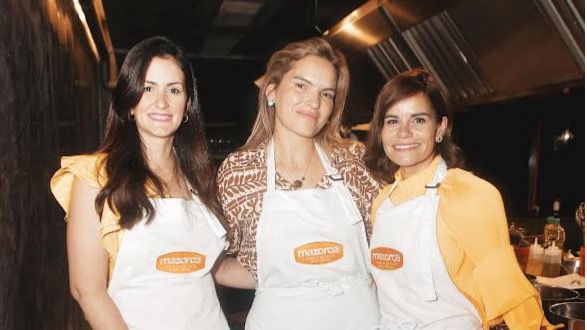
{"points": [[296, 197]]}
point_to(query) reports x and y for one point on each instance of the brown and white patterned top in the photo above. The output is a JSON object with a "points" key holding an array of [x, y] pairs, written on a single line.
{"points": [[242, 182]]}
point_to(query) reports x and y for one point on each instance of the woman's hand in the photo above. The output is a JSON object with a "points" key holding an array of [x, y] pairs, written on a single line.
{"points": [[88, 260], [229, 272]]}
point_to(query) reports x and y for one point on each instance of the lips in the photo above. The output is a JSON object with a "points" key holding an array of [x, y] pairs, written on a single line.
{"points": [[309, 115], [405, 146], [160, 117]]}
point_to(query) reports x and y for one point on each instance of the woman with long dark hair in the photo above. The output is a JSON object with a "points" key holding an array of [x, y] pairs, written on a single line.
{"points": [[144, 222], [440, 253]]}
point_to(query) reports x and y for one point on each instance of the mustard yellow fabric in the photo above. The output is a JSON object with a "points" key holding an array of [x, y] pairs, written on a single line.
{"points": [[89, 169], [473, 238]]}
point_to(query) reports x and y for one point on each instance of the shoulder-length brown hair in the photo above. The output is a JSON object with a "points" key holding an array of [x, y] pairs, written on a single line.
{"points": [[279, 64], [401, 87], [126, 165]]}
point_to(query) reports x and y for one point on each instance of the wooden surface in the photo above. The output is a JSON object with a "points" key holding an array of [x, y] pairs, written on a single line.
{"points": [[50, 100]]}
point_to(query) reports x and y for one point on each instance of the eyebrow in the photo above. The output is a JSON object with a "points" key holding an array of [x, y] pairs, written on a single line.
{"points": [[310, 83], [413, 115], [168, 84]]}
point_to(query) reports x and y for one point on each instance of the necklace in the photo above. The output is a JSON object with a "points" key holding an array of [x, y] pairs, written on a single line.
{"points": [[297, 184]]}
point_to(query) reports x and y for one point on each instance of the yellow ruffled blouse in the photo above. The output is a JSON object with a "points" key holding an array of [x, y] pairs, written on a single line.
{"points": [[88, 169]]}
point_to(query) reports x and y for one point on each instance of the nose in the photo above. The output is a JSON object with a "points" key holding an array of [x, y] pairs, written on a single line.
{"points": [[404, 130], [313, 98], [162, 102]]}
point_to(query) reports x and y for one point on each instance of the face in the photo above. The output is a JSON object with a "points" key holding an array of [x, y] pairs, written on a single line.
{"points": [[409, 132], [304, 98], [160, 110]]}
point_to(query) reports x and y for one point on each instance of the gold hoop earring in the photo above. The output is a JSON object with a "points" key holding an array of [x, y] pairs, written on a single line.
{"points": [[438, 139], [186, 118]]}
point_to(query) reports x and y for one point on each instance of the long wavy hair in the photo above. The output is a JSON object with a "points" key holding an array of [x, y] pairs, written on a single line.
{"points": [[129, 177], [279, 64], [401, 87]]}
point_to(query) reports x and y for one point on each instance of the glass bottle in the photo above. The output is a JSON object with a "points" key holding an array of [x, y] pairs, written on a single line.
{"points": [[553, 231]]}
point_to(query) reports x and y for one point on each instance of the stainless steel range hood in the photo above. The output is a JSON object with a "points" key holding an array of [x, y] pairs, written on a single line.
{"points": [[479, 50]]}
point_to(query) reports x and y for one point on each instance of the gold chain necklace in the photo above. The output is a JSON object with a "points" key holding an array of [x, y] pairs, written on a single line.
{"points": [[297, 184]]}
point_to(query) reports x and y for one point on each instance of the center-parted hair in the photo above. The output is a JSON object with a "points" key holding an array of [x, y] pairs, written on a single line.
{"points": [[279, 64], [129, 176], [401, 87]]}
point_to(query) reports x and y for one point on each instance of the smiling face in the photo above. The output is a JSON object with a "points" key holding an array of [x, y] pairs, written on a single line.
{"points": [[160, 110], [409, 131], [304, 99]]}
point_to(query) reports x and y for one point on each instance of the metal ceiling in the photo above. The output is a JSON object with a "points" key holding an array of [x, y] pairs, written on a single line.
{"points": [[478, 50]]}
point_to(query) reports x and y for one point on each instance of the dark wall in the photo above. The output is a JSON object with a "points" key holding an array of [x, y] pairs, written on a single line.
{"points": [[497, 140], [50, 103]]}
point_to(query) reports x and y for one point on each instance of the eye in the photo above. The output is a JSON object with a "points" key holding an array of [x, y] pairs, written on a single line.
{"points": [[147, 89], [328, 95], [390, 121], [420, 120], [175, 90], [300, 85]]}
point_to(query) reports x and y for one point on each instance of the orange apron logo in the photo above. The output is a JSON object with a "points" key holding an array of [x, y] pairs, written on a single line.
{"points": [[317, 253], [386, 258], [181, 262]]}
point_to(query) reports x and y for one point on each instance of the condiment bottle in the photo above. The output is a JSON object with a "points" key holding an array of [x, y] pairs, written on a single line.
{"points": [[534, 266], [553, 231], [552, 261]]}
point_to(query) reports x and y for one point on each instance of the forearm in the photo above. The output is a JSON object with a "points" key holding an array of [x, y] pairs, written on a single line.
{"points": [[231, 273], [100, 311]]}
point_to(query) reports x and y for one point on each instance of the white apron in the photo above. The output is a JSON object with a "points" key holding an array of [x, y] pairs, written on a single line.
{"points": [[161, 279], [414, 288], [312, 259]]}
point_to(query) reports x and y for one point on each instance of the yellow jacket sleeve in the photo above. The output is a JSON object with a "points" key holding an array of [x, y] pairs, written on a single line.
{"points": [[473, 211]]}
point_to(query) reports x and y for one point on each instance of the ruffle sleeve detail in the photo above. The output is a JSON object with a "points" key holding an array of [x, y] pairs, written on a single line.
{"points": [[89, 169]]}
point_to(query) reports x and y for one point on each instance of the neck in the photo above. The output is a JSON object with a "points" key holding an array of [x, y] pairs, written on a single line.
{"points": [[159, 154], [296, 151]]}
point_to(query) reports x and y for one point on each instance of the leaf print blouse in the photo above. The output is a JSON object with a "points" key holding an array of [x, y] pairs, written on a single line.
{"points": [[242, 182]]}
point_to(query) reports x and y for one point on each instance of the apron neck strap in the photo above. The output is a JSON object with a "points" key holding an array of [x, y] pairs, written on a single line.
{"points": [[270, 160], [432, 186]]}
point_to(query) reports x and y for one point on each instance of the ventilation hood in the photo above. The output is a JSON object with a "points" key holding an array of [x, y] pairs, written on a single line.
{"points": [[479, 50]]}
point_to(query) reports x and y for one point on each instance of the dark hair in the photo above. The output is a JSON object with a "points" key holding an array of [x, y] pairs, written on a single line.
{"points": [[129, 176], [279, 64], [401, 87]]}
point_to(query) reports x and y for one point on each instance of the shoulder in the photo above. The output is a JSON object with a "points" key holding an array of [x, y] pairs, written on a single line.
{"points": [[470, 205], [88, 168], [242, 161], [464, 187], [349, 151], [241, 174]]}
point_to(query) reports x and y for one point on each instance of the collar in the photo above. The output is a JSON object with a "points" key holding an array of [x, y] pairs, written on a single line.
{"points": [[414, 186]]}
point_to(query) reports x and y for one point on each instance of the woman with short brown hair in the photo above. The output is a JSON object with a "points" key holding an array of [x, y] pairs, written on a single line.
{"points": [[440, 251]]}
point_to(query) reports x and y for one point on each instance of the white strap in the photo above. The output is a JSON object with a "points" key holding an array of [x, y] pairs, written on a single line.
{"points": [[212, 220], [432, 187]]}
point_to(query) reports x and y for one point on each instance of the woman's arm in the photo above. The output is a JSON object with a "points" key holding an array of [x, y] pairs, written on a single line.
{"points": [[229, 272], [473, 210], [88, 260]]}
